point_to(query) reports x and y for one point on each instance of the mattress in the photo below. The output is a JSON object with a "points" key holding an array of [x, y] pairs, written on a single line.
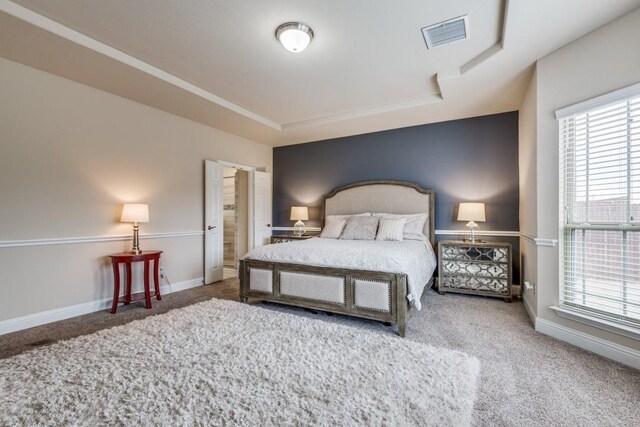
{"points": [[415, 258]]}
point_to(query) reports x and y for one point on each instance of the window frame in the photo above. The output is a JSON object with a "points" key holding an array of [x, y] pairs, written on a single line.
{"points": [[569, 227]]}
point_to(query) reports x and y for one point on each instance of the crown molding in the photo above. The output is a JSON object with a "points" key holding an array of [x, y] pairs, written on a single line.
{"points": [[367, 111], [439, 96], [74, 36]]}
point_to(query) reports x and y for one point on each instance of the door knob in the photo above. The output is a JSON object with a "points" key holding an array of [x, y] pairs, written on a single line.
{"points": [[211, 227], [268, 225]]}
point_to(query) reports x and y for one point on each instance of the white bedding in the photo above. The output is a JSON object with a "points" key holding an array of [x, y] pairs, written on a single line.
{"points": [[414, 258]]}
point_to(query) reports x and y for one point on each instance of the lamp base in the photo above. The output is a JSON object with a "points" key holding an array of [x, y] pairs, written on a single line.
{"points": [[471, 229], [135, 250], [299, 228]]}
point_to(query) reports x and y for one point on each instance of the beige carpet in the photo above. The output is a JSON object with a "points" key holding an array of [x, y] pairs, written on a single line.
{"points": [[527, 379], [225, 363]]}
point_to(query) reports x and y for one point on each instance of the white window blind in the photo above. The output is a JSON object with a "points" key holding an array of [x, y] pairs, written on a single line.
{"points": [[600, 203]]}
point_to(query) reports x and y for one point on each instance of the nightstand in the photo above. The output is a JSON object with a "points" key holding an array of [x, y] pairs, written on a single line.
{"points": [[475, 268], [283, 238]]}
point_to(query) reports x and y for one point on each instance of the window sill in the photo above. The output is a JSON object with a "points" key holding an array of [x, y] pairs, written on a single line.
{"points": [[578, 316]]}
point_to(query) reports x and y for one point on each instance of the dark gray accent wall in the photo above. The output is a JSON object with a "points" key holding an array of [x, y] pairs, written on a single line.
{"points": [[472, 159]]}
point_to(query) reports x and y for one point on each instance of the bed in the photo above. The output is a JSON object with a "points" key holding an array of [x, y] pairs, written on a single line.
{"points": [[376, 280]]}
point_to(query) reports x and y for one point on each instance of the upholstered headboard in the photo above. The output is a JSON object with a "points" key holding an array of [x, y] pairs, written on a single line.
{"points": [[383, 196]]}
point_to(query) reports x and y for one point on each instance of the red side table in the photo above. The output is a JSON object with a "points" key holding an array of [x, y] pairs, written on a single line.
{"points": [[126, 259]]}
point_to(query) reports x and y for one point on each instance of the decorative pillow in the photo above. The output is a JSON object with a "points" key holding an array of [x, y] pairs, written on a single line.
{"points": [[360, 228], [413, 228], [333, 228], [391, 229]]}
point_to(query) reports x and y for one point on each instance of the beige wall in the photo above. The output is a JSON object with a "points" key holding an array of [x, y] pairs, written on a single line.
{"points": [[70, 155], [527, 165], [602, 61]]}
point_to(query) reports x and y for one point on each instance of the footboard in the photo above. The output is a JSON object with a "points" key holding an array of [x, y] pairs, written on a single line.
{"points": [[366, 294]]}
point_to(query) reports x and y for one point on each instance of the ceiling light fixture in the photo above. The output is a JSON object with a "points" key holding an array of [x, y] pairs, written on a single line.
{"points": [[294, 36]]}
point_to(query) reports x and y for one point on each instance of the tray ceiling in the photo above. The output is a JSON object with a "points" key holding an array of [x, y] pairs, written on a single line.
{"points": [[367, 69]]}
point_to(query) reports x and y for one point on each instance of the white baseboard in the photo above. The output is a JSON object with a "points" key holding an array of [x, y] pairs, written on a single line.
{"points": [[608, 349], [530, 311], [44, 317]]}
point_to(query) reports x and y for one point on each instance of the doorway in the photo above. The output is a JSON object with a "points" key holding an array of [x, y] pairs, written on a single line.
{"points": [[235, 219], [249, 216]]}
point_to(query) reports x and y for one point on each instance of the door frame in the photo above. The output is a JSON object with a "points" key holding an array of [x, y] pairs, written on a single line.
{"points": [[235, 165], [250, 197]]}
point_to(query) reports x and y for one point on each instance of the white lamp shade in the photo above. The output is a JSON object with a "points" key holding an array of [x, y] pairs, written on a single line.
{"points": [[135, 212], [299, 213], [471, 212]]}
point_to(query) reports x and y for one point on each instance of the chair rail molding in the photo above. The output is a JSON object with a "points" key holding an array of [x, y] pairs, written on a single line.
{"points": [[96, 239], [438, 232], [93, 239], [538, 241], [457, 232], [292, 229], [495, 233]]}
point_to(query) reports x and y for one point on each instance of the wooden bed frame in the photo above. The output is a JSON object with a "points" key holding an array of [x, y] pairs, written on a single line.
{"points": [[389, 197]]}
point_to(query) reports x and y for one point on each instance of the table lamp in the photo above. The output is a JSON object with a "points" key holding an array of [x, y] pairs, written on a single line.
{"points": [[299, 213], [471, 212], [135, 213]]}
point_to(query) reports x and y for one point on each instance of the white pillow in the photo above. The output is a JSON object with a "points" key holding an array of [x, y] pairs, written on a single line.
{"points": [[333, 228], [413, 228], [391, 229]]}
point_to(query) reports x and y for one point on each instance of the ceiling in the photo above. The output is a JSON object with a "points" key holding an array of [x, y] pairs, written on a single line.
{"points": [[367, 69]]}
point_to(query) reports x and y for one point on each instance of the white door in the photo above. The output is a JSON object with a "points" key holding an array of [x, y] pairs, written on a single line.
{"points": [[213, 222], [261, 192]]}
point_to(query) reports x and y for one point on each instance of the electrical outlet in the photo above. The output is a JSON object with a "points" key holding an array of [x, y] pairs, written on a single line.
{"points": [[162, 271]]}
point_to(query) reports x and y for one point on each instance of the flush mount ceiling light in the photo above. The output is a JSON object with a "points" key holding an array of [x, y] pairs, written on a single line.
{"points": [[294, 36]]}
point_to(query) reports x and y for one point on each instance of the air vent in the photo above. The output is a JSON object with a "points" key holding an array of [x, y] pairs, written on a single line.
{"points": [[446, 32]]}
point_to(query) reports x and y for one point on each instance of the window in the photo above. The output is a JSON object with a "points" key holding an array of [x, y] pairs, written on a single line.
{"points": [[600, 207]]}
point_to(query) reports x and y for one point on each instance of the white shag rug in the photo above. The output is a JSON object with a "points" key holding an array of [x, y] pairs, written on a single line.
{"points": [[226, 363]]}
